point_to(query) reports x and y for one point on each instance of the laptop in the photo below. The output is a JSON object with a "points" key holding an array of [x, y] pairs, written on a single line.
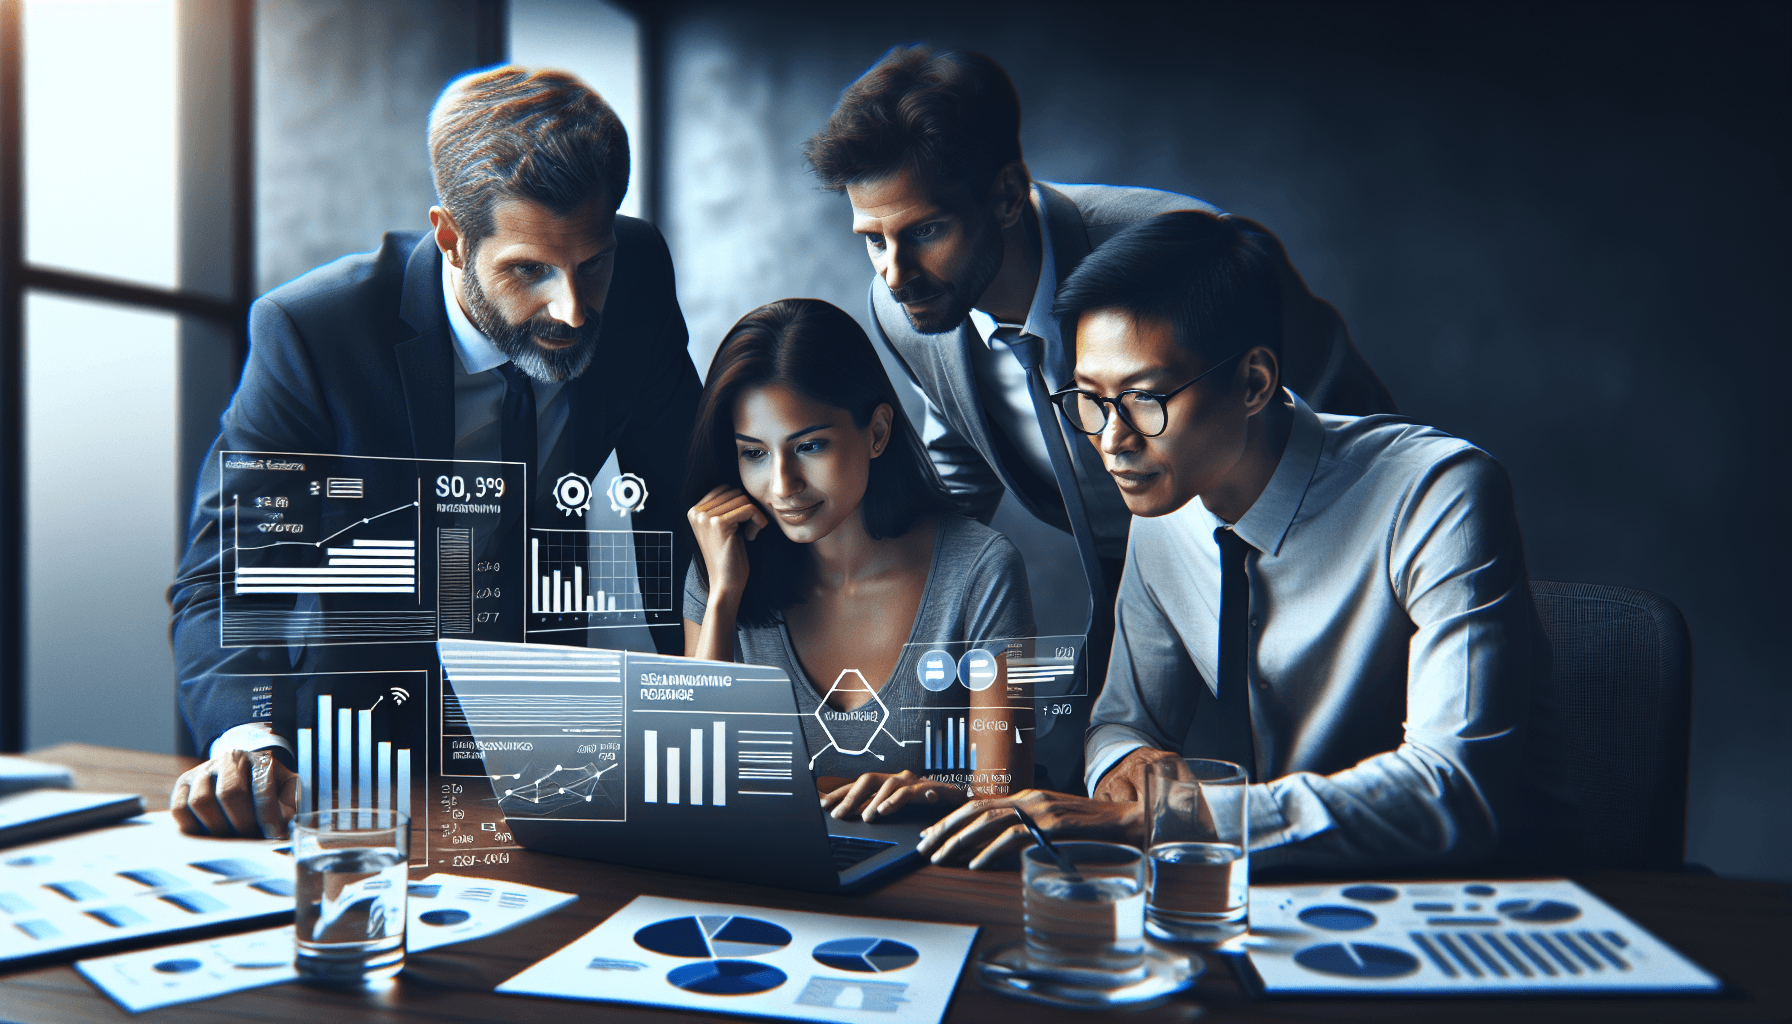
{"points": [[674, 764]]}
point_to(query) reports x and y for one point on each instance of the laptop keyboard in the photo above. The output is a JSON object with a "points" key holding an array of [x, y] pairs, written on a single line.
{"points": [[849, 850]]}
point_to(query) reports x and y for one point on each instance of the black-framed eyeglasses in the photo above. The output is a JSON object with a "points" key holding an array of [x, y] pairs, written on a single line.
{"points": [[1143, 411]]}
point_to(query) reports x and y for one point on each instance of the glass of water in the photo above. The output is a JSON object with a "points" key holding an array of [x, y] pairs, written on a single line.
{"points": [[352, 877], [1086, 928], [1195, 813]]}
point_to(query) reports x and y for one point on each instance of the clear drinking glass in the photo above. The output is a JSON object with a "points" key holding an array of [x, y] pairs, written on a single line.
{"points": [[1198, 844], [1086, 929], [352, 876]]}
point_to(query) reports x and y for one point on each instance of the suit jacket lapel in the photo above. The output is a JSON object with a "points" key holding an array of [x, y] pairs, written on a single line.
{"points": [[1070, 243], [425, 360]]}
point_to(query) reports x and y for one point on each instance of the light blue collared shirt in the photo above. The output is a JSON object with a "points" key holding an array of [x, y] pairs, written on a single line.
{"points": [[1396, 674], [479, 393]]}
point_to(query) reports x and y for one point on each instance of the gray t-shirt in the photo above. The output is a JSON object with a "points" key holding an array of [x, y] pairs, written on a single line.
{"points": [[976, 597]]}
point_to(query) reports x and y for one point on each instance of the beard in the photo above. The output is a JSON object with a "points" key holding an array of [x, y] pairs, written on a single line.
{"points": [[959, 295], [550, 366]]}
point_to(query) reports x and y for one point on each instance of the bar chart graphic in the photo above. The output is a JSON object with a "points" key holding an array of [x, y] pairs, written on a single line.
{"points": [[946, 744], [690, 767], [342, 764], [595, 578]]}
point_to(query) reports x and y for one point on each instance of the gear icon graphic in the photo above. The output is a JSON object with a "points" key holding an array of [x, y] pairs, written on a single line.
{"points": [[628, 493], [572, 493]]}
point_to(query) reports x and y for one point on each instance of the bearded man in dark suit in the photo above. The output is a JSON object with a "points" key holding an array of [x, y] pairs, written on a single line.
{"points": [[531, 324]]}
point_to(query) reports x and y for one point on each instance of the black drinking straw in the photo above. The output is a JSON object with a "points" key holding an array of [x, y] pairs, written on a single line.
{"points": [[1070, 872]]}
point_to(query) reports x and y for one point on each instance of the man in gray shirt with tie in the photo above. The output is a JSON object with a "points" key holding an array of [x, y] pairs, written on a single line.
{"points": [[969, 252], [1337, 603]]}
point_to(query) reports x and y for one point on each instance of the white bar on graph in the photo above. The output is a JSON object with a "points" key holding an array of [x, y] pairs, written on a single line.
{"points": [[612, 606], [326, 753], [718, 782], [364, 757], [588, 605], [927, 750], [949, 765], [345, 753], [672, 774], [535, 569], [571, 603], [696, 767], [404, 782], [384, 543], [382, 797], [307, 787], [963, 736], [556, 605], [600, 601], [578, 589], [650, 767]]}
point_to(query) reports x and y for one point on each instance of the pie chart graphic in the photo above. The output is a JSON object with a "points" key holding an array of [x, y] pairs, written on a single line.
{"points": [[1338, 919], [727, 977], [1539, 911], [1357, 960], [443, 918], [713, 935], [866, 955]]}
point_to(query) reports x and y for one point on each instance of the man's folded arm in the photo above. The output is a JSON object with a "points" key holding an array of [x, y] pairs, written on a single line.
{"points": [[970, 478], [277, 407], [1457, 565]]}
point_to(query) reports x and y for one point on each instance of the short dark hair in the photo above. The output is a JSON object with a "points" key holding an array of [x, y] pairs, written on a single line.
{"points": [[510, 133], [952, 116], [1215, 282], [818, 351]]}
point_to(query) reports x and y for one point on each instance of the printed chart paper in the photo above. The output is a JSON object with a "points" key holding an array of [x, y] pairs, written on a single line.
{"points": [[1524, 937], [140, 878], [720, 958], [153, 978], [445, 909]]}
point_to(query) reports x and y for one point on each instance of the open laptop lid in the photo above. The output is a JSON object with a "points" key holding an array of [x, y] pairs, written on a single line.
{"points": [[673, 764]]}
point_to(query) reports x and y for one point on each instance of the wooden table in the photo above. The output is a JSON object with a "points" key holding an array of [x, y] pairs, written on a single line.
{"points": [[1740, 931]]}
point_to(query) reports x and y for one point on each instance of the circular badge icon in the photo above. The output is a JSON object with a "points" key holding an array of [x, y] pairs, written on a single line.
{"points": [[977, 669], [937, 670], [628, 493], [572, 493]]}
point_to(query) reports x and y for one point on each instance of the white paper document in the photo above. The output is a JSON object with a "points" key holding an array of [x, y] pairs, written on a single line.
{"points": [[720, 958], [445, 909], [1517, 937], [154, 978], [142, 877]]}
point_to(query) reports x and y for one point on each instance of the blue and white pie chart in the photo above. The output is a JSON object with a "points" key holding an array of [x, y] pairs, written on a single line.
{"points": [[727, 977], [712, 935], [1357, 960], [1539, 911], [866, 955]]}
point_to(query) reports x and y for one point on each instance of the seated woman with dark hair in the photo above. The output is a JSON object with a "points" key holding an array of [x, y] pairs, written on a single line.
{"points": [[870, 565]]}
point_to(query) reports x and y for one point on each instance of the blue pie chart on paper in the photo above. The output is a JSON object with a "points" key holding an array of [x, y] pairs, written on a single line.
{"points": [[443, 918], [866, 955], [1337, 919], [712, 935], [1539, 911], [726, 977], [1357, 960]]}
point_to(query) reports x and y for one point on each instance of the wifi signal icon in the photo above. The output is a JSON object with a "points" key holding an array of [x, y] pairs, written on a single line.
{"points": [[400, 695]]}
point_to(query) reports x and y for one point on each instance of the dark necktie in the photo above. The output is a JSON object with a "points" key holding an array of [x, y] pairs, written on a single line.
{"points": [[1234, 704], [1029, 350], [517, 422]]}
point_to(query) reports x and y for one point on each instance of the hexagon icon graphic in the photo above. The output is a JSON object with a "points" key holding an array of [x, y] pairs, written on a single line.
{"points": [[851, 681]]}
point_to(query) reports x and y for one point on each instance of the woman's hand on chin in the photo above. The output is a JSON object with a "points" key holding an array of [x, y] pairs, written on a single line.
{"points": [[875, 795], [723, 522]]}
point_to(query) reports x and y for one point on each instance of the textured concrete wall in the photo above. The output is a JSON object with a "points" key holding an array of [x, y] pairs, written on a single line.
{"points": [[342, 97], [1556, 232]]}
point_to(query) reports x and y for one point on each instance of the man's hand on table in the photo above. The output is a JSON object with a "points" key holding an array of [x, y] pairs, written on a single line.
{"points": [[984, 832], [1125, 781], [240, 793]]}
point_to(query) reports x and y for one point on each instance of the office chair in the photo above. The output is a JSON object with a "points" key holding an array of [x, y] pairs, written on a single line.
{"points": [[1621, 676]]}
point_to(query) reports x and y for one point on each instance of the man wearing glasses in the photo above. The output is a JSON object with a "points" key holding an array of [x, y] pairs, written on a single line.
{"points": [[969, 251], [1339, 604]]}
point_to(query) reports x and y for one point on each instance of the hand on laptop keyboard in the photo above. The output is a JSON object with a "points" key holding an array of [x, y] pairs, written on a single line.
{"points": [[876, 795]]}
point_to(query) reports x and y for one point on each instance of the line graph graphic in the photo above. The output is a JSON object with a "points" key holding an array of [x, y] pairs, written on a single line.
{"points": [[343, 549]]}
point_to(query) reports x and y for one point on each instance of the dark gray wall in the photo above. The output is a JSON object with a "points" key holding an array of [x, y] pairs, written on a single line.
{"points": [[1558, 232]]}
